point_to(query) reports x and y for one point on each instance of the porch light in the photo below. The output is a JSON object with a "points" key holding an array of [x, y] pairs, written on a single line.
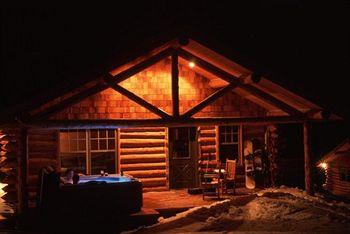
{"points": [[191, 64], [323, 165]]}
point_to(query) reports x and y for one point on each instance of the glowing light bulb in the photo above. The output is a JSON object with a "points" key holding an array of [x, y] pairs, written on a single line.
{"points": [[323, 165], [191, 64]]}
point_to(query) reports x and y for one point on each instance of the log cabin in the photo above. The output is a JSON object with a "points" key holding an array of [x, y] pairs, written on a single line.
{"points": [[160, 116], [336, 166]]}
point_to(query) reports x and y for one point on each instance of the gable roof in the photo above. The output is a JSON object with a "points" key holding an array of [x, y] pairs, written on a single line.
{"points": [[260, 93], [342, 149]]}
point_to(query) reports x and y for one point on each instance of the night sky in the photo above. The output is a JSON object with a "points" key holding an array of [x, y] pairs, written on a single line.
{"points": [[305, 48]]}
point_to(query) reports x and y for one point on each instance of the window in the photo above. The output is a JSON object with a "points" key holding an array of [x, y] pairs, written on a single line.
{"points": [[181, 138], [103, 145], [344, 174], [89, 151], [73, 150], [228, 142]]}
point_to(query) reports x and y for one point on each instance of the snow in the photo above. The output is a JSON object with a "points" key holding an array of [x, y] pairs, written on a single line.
{"points": [[271, 210]]}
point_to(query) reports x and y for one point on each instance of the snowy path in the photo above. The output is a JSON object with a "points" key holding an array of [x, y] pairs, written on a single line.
{"points": [[278, 210]]}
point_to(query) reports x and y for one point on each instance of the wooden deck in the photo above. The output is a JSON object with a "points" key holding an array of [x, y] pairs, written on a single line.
{"points": [[180, 199]]}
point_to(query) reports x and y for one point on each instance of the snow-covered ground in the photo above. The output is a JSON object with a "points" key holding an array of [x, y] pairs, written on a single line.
{"points": [[271, 210]]}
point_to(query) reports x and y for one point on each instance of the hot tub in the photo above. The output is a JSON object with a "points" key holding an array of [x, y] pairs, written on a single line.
{"points": [[108, 179], [102, 195]]}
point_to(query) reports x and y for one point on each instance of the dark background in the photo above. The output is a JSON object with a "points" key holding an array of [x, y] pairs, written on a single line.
{"points": [[302, 46]]}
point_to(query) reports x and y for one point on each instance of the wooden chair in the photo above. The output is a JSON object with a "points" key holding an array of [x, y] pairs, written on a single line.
{"points": [[210, 182], [230, 176]]}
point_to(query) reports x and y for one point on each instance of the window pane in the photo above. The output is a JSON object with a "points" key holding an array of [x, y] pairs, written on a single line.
{"points": [[222, 138], [64, 146], [102, 133], [75, 161], [93, 133], [235, 128], [73, 145], [81, 145], [73, 135], [111, 144], [103, 161], [111, 133], [94, 145], [183, 134], [103, 144], [63, 136], [235, 138], [81, 134], [228, 152]]}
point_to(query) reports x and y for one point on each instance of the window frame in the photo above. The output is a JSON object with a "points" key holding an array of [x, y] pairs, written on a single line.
{"points": [[233, 130], [88, 151]]}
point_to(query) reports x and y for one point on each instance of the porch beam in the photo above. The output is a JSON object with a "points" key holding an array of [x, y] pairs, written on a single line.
{"points": [[212, 98], [175, 83], [272, 100], [136, 98], [307, 158], [142, 65], [166, 122], [207, 66], [247, 87]]}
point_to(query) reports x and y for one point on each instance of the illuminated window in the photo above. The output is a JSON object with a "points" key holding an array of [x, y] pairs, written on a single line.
{"points": [[73, 150], [103, 145], [228, 142], [89, 151]]}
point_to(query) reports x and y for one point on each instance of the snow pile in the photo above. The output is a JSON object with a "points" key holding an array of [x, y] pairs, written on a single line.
{"points": [[272, 210], [318, 200]]}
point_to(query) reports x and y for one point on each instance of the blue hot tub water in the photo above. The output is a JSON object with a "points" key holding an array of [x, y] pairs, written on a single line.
{"points": [[108, 179]]}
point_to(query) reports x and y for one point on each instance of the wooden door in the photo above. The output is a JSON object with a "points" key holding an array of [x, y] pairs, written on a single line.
{"points": [[182, 157]]}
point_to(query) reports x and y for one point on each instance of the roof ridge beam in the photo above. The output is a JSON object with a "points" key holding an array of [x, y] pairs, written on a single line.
{"points": [[247, 87]]}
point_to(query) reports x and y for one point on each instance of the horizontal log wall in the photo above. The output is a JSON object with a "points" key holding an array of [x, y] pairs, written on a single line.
{"points": [[208, 153], [333, 179], [11, 158], [143, 155], [42, 152]]}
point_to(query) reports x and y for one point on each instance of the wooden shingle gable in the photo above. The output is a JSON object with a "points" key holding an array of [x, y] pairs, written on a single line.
{"points": [[278, 101]]}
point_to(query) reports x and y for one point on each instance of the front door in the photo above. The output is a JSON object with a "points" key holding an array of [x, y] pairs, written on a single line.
{"points": [[182, 157]]}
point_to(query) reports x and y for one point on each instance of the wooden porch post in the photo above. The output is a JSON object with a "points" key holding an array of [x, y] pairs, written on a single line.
{"points": [[175, 83], [307, 155]]}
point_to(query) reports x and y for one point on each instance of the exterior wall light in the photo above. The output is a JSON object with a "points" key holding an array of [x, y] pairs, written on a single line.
{"points": [[191, 64]]}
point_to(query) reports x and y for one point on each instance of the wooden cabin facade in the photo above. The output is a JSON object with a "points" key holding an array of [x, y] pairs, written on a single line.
{"points": [[336, 166], [161, 118]]}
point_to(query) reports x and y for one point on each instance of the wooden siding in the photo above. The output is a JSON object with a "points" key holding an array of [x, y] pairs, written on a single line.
{"points": [[333, 176], [154, 85], [42, 152], [143, 155]]}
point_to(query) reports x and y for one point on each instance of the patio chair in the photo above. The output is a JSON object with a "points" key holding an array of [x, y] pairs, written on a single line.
{"points": [[210, 182], [229, 181]]}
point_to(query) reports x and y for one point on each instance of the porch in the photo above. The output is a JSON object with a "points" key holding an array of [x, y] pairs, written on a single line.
{"points": [[168, 203], [180, 199]]}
